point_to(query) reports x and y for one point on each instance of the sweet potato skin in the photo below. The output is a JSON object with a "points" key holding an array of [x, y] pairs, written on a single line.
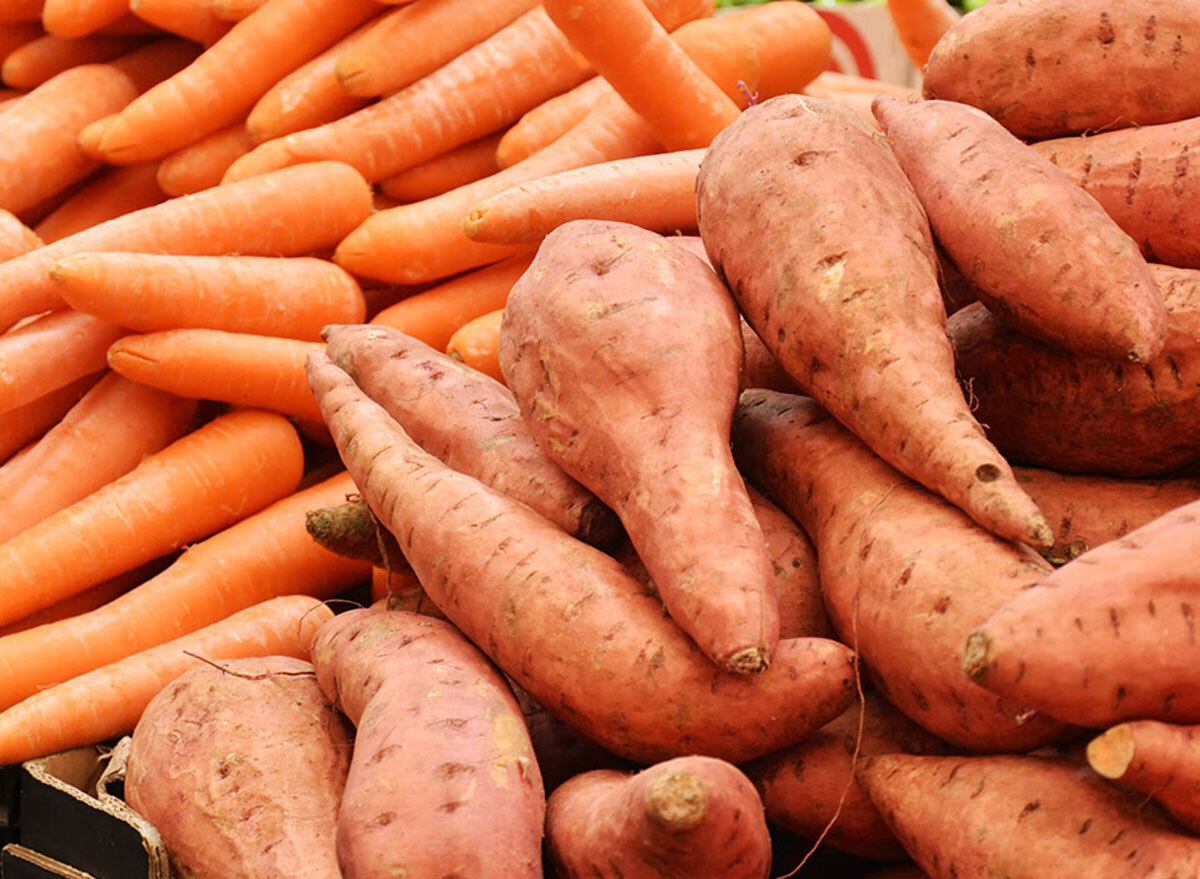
{"points": [[687, 817], [1158, 759], [1075, 414], [242, 771], [443, 780], [1046, 68]]}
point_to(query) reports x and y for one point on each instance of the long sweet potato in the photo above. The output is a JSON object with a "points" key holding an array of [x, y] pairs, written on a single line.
{"points": [[1158, 759], [906, 576], [241, 769], [647, 427], [687, 817], [563, 619], [1076, 414], [1125, 615], [443, 780], [1041, 251], [851, 308], [1021, 818], [1045, 68]]}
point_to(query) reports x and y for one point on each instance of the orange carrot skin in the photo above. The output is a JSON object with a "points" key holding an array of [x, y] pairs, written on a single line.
{"points": [[190, 19], [13, 36], [118, 192], [920, 24], [548, 121], [458, 167], [20, 10], [37, 61], [287, 297], [87, 600], [234, 10], [25, 424], [78, 18], [15, 237], [201, 164], [53, 351], [475, 343], [1157, 759]]}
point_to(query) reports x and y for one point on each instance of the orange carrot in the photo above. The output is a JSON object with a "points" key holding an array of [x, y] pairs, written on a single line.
{"points": [[103, 437], [23, 425], [115, 193], [920, 24], [231, 467], [20, 10], [415, 40], [262, 557], [656, 192], [479, 92], [289, 297], [108, 701], [475, 343], [234, 10], [433, 315], [549, 121], [15, 237], [245, 370], [793, 44], [9, 95], [156, 61], [38, 60], [232, 74], [13, 36], [190, 19], [51, 352], [78, 18], [89, 599], [297, 211], [130, 25], [458, 167], [201, 164]]}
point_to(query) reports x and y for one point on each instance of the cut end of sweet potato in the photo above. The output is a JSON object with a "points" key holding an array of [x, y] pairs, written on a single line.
{"points": [[678, 801], [976, 656], [1111, 753], [749, 661]]}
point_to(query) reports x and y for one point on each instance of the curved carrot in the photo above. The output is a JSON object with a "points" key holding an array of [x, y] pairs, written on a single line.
{"points": [[263, 556], [190, 19], [920, 24], [238, 368], [78, 18], [108, 701], [476, 342], [13, 36], [38, 60], [23, 425], [291, 297], [200, 165], [793, 44], [308, 208], [15, 237], [50, 352], [231, 467], [458, 167], [104, 436], [117, 192], [87, 600], [549, 121]]}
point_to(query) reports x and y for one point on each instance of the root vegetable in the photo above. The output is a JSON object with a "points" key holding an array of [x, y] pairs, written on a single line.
{"points": [[1157, 759]]}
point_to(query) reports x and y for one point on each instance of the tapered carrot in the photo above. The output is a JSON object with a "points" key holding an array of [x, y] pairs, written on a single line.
{"points": [[234, 10], [38, 60], [15, 237], [23, 425], [231, 467], [200, 165], [920, 24], [117, 192], [51, 352], [87, 600], [479, 92], [156, 61], [415, 40], [475, 343], [107, 702], [20, 10], [433, 315], [77, 18], [13, 36], [236, 368], [297, 211], [856, 92], [549, 121], [104, 436], [264, 556], [291, 297], [458, 167], [190, 19], [233, 73]]}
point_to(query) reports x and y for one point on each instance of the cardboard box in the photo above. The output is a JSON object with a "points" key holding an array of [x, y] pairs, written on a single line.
{"points": [[865, 42]]}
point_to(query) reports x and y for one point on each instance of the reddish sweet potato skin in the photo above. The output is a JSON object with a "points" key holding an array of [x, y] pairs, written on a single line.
{"points": [[801, 786], [1143, 179], [1124, 613], [1077, 414], [687, 817], [469, 421], [242, 771], [563, 752], [1159, 759], [1045, 68], [1040, 250], [443, 781], [851, 308], [906, 576], [566, 621], [1021, 818]]}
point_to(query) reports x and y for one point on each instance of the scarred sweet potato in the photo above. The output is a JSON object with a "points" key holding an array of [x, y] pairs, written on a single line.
{"points": [[1158, 759]]}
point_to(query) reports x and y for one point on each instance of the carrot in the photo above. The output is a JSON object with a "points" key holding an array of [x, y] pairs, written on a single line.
{"points": [[1155, 758], [50, 352], [234, 10], [14, 36], [475, 344], [87, 600], [856, 92], [24, 424], [200, 165], [549, 120], [264, 556], [108, 701], [78, 18], [288, 297], [156, 61], [458, 167], [415, 40], [190, 19], [245, 370], [20, 10], [479, 92], [38, 60], [103, 437], [433, 315], [15, 237], [622, 41], [793, 44], [920, 24], [310, 208], [130, 25], [115, 193]]}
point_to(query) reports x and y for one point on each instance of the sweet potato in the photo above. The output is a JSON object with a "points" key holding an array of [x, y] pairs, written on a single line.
{"points": [[1073, 414], [1041, 251], [1141, 178], [1021, 818], [1045, 68], [903, 871], [1158, 759], [687, 817], [563, 619], [443, 781], [906, 576], [1124, 613], [563, 752], [803, 786], [241, 769], [469, 421], [851, 308], [350, 530], [647, 426]]}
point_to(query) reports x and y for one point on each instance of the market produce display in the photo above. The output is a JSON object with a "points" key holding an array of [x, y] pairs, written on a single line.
{"points": [[603, 439]]}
